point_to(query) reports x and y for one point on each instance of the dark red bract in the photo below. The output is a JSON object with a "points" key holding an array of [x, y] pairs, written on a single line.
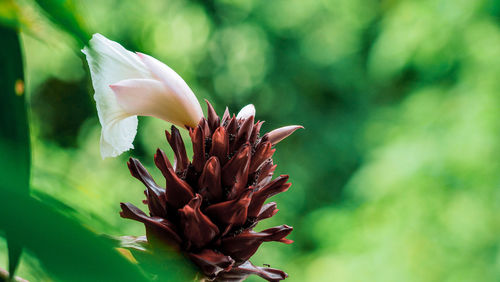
{"points": [[212, 203]]}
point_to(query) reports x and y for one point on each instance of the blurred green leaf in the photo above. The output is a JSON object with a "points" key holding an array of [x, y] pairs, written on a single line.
{"points": [[14, 135], [163, 264], [57, 241], [9, 13], [66, 249], [13, 118], [63, 13]]}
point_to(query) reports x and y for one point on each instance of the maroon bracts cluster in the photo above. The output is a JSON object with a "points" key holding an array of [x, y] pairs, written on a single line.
{"points": [[211, 204]]}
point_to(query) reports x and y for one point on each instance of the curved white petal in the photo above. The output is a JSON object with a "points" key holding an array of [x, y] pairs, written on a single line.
{"points": [[149, 97], [177, 90], [120, 135], [127, 84], [246, 112], [281, 133], [109, 63]]}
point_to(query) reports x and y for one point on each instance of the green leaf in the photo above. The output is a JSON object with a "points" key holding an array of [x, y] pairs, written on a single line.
{"points": [[63, 13], [163, 263], [9, 14], [15, 149], [14, 136], [66, 249], [15, 249]]}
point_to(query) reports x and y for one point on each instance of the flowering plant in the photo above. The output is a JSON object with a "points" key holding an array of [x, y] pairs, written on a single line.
{"points": [[211, 203]]}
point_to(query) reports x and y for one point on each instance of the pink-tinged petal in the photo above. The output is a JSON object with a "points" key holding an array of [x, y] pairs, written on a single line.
{"points": [[149, 97], [211, 262], [281, 133], [198, 229], [246, 112], [109, 63], [177, 89], [240, 272]]}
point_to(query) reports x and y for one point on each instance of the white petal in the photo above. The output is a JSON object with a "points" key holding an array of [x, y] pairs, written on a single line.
{"points": [[176, 86], [246, 112], [123, 134], [149, 97], [109, 63], [281, 133]]}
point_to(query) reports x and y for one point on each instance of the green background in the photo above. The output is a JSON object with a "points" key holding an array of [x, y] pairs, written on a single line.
{"points": [[396, 176]]}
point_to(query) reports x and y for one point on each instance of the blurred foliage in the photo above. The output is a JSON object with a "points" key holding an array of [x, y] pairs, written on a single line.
{"points": [[64, 14], [61, 123], [14, 136], [396, 177]]}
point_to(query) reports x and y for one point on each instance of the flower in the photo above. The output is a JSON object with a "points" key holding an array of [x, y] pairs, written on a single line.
{"points": [[128, 84], [212, 203]]}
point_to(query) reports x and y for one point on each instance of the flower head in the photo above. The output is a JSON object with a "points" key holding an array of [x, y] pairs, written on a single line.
{"points": [[212, 203], [129, 84]]}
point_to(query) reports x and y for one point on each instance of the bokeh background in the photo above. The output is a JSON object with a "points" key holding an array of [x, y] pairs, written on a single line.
{"points": [[396, 176]]}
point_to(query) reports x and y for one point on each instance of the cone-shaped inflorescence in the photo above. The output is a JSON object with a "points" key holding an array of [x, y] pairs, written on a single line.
{"points": [[212, 203]]}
